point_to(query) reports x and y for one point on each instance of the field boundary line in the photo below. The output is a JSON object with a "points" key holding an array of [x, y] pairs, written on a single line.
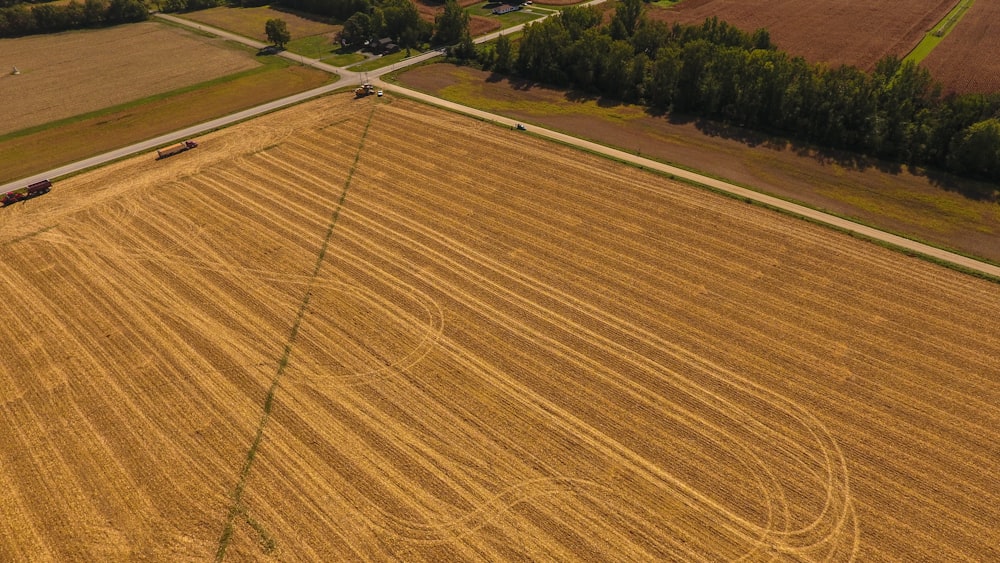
{"points": [[237, 508]]}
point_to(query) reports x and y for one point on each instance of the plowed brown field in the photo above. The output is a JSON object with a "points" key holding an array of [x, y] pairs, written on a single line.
{"points": [[829, 31], [966, 60], [367, 329]]}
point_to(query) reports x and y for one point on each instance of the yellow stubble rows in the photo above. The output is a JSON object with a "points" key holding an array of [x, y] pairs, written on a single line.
{"points": [[456, 342]]}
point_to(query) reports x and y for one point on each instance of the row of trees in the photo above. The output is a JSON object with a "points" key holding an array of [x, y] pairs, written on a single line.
{"points": [[24, 19], [399, 20], [720, 72]]}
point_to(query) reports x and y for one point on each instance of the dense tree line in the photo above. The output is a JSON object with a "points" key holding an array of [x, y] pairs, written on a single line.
{"points": [[717, 71], [397, 19], [24, 19]]}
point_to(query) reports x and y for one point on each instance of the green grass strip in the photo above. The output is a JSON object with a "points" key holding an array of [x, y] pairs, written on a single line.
{"points": [[237, 507], [940, 30]]}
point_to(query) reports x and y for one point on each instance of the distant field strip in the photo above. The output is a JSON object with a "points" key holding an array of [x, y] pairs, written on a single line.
{"points": [[942, 29], [68, 74]]}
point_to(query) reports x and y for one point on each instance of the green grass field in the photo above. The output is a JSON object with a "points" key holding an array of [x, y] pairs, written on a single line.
{"points": [[314, 47]]}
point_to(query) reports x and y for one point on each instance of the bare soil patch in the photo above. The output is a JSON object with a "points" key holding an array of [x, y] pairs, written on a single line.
{"points": [[67, 74], [497, 349], [249, 22], [926, 206], [827, 31], [966, 60]]}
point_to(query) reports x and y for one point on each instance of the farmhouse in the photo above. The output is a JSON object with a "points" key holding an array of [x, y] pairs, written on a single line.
{"points": [[506, 9], [383, 46]]}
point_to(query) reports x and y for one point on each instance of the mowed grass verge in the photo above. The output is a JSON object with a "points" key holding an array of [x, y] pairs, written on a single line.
{"points": [[916, 204], [48, 146]]}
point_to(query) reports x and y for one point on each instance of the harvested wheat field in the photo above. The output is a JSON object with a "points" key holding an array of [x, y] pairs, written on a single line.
{"points": [[67, 74], [966, 60], [826, 31], [368, 329]]}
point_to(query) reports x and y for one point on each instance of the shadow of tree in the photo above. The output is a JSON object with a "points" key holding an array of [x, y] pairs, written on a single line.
{"points": [[846, 159], [972, 189]]}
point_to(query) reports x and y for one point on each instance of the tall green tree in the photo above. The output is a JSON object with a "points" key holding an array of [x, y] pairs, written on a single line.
{"points": [[451, 24], [357, 29], [94, 11], [402, 21], [976, 151], [540, 52], [578, 19], [277, 32], [628, 14], [127, 11], [505, 55], [465, 49]]}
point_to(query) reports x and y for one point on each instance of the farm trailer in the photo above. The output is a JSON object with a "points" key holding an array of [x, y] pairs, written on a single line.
{"points": [[175, 149], [20, 194]]}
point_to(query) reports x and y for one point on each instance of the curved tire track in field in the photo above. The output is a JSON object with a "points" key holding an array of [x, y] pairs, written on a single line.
{"points": [[379, 363], [837, 508], [836, 514], [601, 369], [493, 508]]}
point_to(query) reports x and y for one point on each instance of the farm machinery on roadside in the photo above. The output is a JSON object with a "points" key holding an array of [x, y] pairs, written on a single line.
{"points": [[28, 192], [366, 88], [175, 149]]}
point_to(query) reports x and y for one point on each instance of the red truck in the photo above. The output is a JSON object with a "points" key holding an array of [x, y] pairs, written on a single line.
{"points": [[20, 194], [174, 149]]}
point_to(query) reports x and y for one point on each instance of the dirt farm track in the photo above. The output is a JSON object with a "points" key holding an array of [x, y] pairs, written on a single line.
{"points": [[317, 338]]}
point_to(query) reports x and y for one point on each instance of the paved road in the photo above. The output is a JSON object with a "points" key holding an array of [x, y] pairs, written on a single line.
{"points": [[349, 77]]}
